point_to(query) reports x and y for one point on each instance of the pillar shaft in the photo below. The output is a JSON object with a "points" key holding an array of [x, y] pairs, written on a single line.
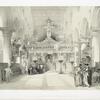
{"points": [[96, 48], [7, 47]]}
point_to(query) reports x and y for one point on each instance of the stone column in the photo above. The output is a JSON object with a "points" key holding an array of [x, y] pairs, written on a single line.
{"points": [[75, 56], [6, 45], [79, 53], [96, 47], [1, 47]]}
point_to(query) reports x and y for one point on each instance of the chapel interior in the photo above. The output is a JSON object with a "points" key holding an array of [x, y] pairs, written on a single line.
{"points": [[57, 38]]}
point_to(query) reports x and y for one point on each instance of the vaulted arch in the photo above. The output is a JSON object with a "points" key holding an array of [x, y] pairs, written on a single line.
{"points": [[84, 27]]}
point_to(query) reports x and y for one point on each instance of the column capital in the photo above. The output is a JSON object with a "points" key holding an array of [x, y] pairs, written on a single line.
{"points": [[6, 30], [95, 31]]}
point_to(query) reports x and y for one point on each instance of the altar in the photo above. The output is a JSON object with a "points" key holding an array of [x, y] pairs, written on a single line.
{"points": [[49, 50]]}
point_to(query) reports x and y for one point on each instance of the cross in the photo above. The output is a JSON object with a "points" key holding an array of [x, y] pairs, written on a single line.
{"points": [[49, 27]]}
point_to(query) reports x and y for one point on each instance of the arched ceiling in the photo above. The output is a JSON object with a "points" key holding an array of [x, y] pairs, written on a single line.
{"points": [[28, 20]]}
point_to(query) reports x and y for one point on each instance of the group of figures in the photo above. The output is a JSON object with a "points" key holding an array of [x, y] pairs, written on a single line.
{"points": [[83, 75], [36, 69], [6, 74]]}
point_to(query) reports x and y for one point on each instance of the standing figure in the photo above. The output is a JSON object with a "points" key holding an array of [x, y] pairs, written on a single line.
{"points": [[26, 69], [85, 76], [55, 65], [77, 77], [65, 66], [8, 74], [90, 76], [30, 70]]}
